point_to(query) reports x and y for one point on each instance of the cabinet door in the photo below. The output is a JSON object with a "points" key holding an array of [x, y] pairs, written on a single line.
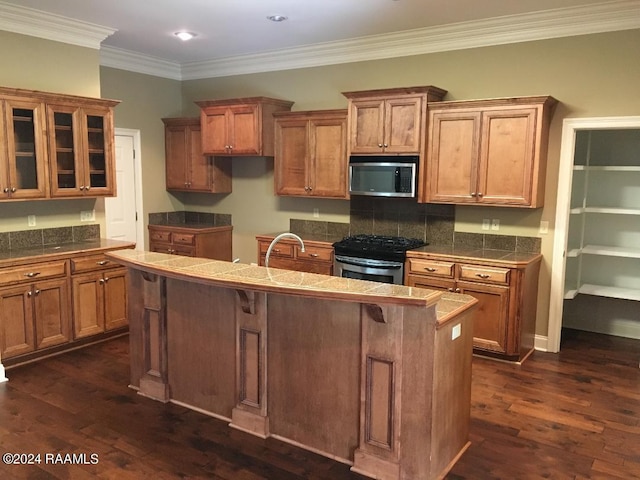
{"points": [[367, 126], [176, 144], [402, 125], [199, 167], [452, 159], [328, 158], [291, 157], [243, 130], [4, 160], [99, 154], [215, 135], [88, 305], [26, 149], [115, 298], [16, 321], [66, 170], [507, 156], [490, 322], [51, 310]]}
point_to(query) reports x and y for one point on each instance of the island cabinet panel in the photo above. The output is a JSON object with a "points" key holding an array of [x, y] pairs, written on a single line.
{"points": [[325, 368], [201, 373], [314, 372], [487, 152]]}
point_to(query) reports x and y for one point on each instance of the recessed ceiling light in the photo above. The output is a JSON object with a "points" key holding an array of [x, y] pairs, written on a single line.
{"points": [[184, 36], [277, 18]]}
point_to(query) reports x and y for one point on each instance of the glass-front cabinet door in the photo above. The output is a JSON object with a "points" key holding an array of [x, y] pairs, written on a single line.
{"points": [[22, 174], [81, 151]]}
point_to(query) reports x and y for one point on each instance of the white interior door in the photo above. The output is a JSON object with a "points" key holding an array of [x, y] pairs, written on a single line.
{"points": [[122, 211]]}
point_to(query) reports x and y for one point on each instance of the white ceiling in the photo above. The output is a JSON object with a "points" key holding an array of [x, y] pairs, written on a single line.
{"points": [[232, 35]]}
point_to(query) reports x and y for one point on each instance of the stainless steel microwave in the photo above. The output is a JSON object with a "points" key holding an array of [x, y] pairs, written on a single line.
{"points": [[383, 176]]}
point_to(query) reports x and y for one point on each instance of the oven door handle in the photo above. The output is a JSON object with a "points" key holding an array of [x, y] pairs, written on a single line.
{"points": [[386, 264]]}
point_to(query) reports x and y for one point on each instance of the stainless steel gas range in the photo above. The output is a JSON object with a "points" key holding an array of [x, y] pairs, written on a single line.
{"points": [[373, 257]]}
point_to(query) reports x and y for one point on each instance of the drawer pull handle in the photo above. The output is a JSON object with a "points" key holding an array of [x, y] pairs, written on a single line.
{"points": [[32, 274], [314, 255], [483, 275], [102, 262], [430, 269]]}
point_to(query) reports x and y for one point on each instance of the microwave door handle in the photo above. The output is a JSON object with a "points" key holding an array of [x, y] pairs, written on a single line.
{"points": [[398, 179]]}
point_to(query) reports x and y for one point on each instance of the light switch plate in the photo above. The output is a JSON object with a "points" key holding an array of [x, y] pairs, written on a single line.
{"points": [[455, 332]]}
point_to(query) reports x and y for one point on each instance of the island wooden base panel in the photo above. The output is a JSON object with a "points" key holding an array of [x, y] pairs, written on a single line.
{"points": [[368, 385]]}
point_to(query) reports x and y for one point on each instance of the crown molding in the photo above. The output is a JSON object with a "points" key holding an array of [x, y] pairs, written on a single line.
{"points": [[556, 23], [36, 23], [136, 62]]}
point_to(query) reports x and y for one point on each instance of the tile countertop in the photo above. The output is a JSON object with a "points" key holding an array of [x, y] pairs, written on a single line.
{"points": [[251, 277], [484, 256], [52, 252]]}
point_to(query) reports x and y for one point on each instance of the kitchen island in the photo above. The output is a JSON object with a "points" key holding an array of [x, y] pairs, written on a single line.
{"points": [[374, 375]]}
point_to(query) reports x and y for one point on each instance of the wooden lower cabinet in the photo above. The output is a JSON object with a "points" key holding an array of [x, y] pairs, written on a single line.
{"points": [[34, 316], [206, 242], [504, 321], [99, 302], [317, 257], [49, 306]]}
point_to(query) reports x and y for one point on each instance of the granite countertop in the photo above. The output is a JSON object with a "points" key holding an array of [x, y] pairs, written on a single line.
{"points": [[471, 254], [190, 226], [307, 237], [51, 252], [252, 277]]}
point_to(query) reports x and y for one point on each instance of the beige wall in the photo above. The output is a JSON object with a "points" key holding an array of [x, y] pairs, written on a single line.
{"points": [[36, 64], [595, 75], [145, 100]]}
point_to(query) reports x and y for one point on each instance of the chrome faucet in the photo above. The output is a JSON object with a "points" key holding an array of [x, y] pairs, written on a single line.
{"points": [[276, 240]]}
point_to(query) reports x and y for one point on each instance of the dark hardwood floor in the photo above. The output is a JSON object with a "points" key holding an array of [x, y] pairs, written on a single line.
{"points": [[574, 415]]}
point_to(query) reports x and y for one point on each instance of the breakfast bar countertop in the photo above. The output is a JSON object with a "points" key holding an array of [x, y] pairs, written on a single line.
{"points": [[236, 275]]}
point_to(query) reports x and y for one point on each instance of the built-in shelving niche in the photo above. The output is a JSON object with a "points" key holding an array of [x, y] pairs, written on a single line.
{"points": [[603, 238]]}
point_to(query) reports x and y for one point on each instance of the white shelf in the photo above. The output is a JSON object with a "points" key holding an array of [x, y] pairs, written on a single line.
{"points": [[607, 168], [570, 294], [574, 252], [612, 210], [626, 252], [610, 292]]}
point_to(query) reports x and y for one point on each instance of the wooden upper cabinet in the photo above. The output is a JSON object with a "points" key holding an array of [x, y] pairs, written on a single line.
{"points": [[488, 152], [390, 121], [81, 150], [23, 162], [311, 153], [187, 168], [239, 127], [57, 145]]}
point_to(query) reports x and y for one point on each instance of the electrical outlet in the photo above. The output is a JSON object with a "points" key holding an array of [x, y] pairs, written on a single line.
{"points": [[455, 332], [495, 224], [316, 213], [31, 220], [87, 215], [544, 227], [486, 224]]}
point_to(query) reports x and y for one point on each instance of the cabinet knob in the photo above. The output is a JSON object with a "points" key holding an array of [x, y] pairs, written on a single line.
{"points": [[37, 291], [87, 187], [13, 189], [473, 194], [106, 279], [102, 262], [479, 194], [385, 145], [457, 290], [314, 255], [450, 289], [380, 145], [101, 281], [81, 187], [6, 190], [29, 293]]}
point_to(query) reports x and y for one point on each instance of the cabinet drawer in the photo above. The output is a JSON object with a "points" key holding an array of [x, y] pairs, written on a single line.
{"points": [[475, 273], [160, 236], [184, 238], [431, 267], [91, 263], [281, 249], [34, 272], [315, 253]]}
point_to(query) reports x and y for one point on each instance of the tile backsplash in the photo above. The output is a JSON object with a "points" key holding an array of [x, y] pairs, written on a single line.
{"points": [[185, 217], [432, 223], [43, 237]]}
